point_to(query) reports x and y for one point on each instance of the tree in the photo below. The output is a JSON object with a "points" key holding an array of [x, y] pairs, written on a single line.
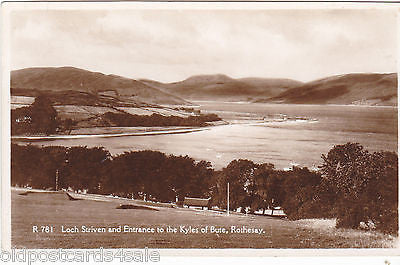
{"points": [[240, 176], [187, 177], [274, 189], [34, 166], [200, 183], [43, 115], [381, 193], [262, 195], [21, 121], [345, 168], [300, 188], [365, 185], [68, 125], [40, 117], [83, 168]]}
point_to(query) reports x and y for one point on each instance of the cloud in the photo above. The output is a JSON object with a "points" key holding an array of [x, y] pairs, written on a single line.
{"points": [[170, 45]]}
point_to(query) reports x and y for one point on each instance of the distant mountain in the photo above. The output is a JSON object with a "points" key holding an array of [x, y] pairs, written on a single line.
{"points": [[71, 85], [222, 87], [368, 89], [74, 86]]}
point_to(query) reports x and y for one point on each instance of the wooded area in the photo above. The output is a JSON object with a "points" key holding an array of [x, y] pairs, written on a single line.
{"points": [[352, 184]]}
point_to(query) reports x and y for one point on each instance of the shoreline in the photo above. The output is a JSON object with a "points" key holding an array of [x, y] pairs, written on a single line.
{"points": [[144, 132], [79, 136], [199, 104]]}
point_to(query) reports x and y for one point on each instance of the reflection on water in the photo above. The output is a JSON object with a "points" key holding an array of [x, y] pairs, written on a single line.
{"points": [[251, 137]]}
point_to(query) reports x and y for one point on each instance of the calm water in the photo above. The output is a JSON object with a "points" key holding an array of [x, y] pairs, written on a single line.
{"points": [[281, 143]]}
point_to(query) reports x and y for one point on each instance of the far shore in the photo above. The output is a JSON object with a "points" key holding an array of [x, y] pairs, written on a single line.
{"points": [[198, 103]]}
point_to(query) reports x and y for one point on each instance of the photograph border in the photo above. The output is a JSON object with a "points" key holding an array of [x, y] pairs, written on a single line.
{"points": [[8, 7]]}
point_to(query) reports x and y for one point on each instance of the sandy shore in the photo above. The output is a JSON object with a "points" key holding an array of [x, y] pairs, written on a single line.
{"points": [[107, 133]]}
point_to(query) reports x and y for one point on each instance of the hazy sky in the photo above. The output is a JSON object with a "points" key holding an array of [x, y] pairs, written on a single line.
{"points": [[171, 45]]}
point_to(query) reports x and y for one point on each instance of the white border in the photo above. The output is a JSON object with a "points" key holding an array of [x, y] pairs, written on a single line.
{"points": [[8, 7], [5, 230]]}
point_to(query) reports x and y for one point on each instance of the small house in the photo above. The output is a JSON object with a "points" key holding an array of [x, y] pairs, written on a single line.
{"points": [[197, 202]]}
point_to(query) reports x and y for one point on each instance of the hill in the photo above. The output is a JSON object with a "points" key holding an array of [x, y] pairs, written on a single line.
{"points": [[74, 86], [363, 89], [222, 87]]}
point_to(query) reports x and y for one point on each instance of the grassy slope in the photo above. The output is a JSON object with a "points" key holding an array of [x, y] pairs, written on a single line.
{"points": [[84, 86], [379, 89], [57, 210], [88, 117]]}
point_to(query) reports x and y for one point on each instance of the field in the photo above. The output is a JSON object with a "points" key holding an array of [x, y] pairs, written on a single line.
{"points": [[56, 210]]}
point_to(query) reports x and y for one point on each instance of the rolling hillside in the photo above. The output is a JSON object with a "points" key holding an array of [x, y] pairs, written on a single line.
{"points": [[69, 85], [73, 86], [363, 89], [222, 87]]}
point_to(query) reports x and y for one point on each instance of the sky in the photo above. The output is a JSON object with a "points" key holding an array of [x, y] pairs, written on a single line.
{"points": [[170, 45]]}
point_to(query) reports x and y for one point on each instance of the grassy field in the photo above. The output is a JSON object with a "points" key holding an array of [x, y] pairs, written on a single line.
{"points": [[55, 210]]}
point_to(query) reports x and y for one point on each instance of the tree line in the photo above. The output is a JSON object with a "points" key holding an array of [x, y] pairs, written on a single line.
{"points": [[133, 174], [155, 119], [352, 185]]}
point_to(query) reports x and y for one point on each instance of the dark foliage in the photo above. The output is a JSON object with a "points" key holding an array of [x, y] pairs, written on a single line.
{"points": [[137, 174], [126, 119], [300, 188], [352, 185], [34, 166], [240, 176], [40, 117], [365, 185]]}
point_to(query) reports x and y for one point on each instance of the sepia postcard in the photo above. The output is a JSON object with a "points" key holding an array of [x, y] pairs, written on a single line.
{"points": [[208, 127]]}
